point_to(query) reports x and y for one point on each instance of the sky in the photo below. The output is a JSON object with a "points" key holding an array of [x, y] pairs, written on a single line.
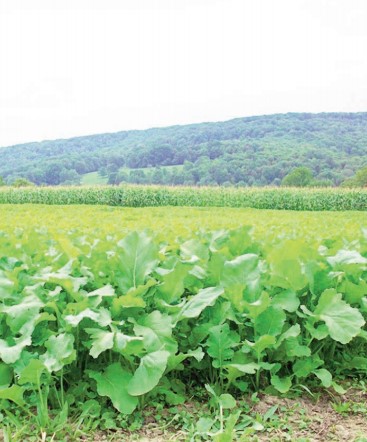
{"points": [[79, 67]]}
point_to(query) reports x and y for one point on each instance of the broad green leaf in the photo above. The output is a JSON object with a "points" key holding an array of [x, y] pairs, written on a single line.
{"points": [[102, 340], [272, 367], [124, 343], [241, 279], [6, 375], [354, 293], [101, 316], [96, 296], [347, 257], [172, 286], [319, 276], [358, 362], [338, 388], [105, 291], [62, 277], [6, 285], [32, 373], [342, 321], [156, 330], [270, 322], [149, 372], [60, 351], [261, 344], [133, 298], [171, 397], [210, 390], [197, 303], [320, 332], [11, 353], [292, 332], [324, 376], [254, 309], [303, 367], [295, 349], [220, 342], [286, 265], [113, 383], [22, 316], [193, 250], [237, 370], [203, 425], [227, 401], [240, 240], [283, 385], [14, 394], [287, 300], [138, 257], [175, 360]]}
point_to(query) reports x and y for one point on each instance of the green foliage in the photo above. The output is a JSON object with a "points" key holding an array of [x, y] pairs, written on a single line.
{"points": [[155, 196], [113, 383], [252, 151], [299, 177], [22, 182], [84, 318], [359, 180]]}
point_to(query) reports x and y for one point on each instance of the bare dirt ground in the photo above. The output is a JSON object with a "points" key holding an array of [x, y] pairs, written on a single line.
{"points": [[317, 421], [341, 419]]}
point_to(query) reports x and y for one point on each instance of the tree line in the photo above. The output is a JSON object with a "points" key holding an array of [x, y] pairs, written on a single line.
{"points": [[252, 151]]}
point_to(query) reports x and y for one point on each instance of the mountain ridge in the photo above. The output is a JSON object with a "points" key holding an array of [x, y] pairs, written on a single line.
{"points": [[173, 126], [260, 150]]}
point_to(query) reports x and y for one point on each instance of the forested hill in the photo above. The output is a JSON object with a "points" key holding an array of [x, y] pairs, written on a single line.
{"points": [[250, 151]]}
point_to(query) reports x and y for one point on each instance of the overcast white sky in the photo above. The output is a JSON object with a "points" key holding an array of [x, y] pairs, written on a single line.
{"points": [[78, 67]]}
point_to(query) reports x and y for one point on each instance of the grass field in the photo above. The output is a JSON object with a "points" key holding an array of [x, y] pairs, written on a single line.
{"points": [[170, 222], [93, 179]]}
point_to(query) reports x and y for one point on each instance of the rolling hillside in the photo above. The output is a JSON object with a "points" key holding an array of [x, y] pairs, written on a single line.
{"points": [[246, 151]]}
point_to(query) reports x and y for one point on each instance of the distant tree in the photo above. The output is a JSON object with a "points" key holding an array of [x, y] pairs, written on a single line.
{"points": [[358, 180], [122, 177], [69, 176], [22, 182], [52, 173], [103, 171], [321, 183], [361, 177], [157, 176], [2, 182], [111, 168], [298, 177], [138, 176], [112, 178]]}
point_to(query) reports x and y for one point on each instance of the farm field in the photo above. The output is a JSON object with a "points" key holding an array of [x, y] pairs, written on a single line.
{"points": [[170, 222], [224, 324], [283, 198], [93, 179]]}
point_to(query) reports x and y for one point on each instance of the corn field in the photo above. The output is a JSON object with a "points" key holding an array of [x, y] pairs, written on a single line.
{"points": [[334, 199]]}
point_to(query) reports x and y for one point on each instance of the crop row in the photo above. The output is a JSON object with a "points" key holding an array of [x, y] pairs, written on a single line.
{"points": [[132, 320], [145, 196]]}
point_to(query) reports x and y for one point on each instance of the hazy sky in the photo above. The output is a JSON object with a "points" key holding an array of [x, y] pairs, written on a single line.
{"points": [[76, 67]]}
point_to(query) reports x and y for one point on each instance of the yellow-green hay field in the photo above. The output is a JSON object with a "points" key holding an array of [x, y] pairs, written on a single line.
{"points": [[170, 222]]}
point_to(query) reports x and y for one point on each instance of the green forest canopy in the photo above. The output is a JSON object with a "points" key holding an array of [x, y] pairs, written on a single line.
{"points": [[247, 151]]}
